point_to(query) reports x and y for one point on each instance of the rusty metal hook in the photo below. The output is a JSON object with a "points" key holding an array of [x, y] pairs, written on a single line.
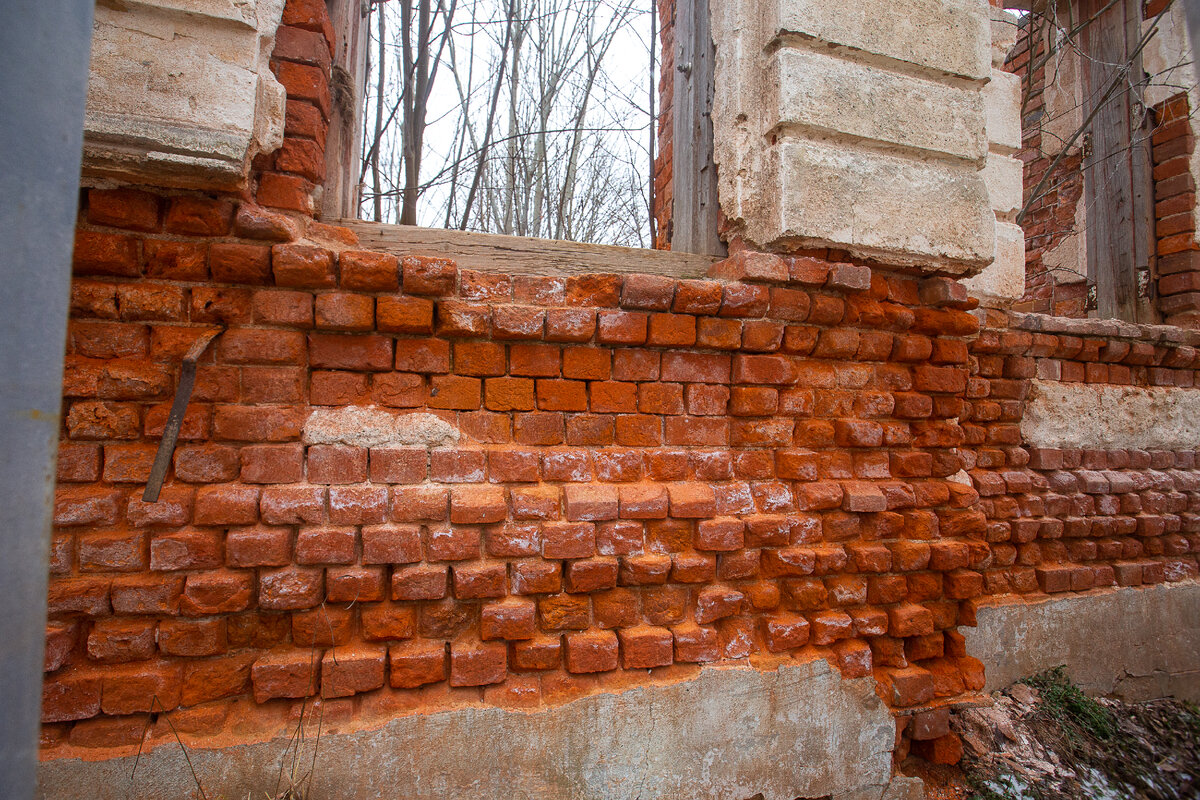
{"points": [[170, 435]]}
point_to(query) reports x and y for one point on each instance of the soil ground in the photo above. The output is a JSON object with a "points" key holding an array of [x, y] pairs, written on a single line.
{"points": [[1044, 739]]}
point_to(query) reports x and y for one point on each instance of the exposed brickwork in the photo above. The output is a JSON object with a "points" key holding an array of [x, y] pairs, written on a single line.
{"points": [[1071, 520], [706, 469], [288, 178], [1178, 253], [664, 158], [1050, 220]]}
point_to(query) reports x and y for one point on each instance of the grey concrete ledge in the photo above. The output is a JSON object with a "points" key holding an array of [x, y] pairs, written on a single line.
{"points": [[1135, 642], [1045, 323], [728, 734]]}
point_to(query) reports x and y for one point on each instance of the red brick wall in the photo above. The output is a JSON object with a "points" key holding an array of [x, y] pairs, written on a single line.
{"points": [[654, 474], [1173, 143], [1051, 219], [1070, 520], [663, 161]]}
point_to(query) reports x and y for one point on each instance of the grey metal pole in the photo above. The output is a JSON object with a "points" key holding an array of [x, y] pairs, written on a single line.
{"points": [[44, 49], [1192, 8]]}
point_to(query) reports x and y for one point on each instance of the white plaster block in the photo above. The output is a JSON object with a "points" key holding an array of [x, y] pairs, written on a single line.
{"points": [[817, 89], [878, 205], [947, 36], [1002, 96], [858, 157], [1003, 280], [181, 92], [1004, 176], [1103, 417], [1004, 34]]}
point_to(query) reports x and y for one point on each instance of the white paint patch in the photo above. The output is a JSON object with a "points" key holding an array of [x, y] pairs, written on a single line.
{"points": [[1100, 417], [368, 426]]}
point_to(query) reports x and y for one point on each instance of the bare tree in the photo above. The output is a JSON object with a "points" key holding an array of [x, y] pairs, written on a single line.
{"points": [[536, 133]]}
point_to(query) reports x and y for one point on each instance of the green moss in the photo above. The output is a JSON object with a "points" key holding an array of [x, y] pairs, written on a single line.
{"points": [[1063, 701]]}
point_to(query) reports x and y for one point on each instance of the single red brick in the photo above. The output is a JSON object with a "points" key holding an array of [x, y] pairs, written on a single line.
{"points": [[373, 272], [475, 581], [510, 620], [570, 324], [643, 647], [284, 674], [785, 631], [240, 263], [518, 322], [113, 641], [671, 330], [429, 276], [590, 502], [398, 464], [413, 664], [334, 351], [292, 505], [199, 216], [477, 665], [472, 505], [345, 311], [479, 359], [303, 157], [290, 588], [568, 540], [405, 315], [325, 546], [647, 292], [695, 644], [291, 192], [455, 393], [258, 547], [303, 266], [273, 463], [105, 254], [622, 327], [345, 671], [691, 500], [192, 638], [382, 621], [358, 505], [219, 592], [123, 208], [720, 534], [411, 503], [536, 577], [255, 222], [131, 594], [591, 651], [187, 549], [337, 464]]}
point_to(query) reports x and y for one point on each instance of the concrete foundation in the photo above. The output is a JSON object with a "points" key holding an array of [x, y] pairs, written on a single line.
{"points": [[1134, 643], [733, 733]]}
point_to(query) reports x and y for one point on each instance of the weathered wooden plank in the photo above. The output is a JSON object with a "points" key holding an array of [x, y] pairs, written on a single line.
{"points": [[695, 214], [1117, 178], [343, 147], [521, 255]]}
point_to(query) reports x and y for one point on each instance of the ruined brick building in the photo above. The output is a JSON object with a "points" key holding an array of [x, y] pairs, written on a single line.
{"points": [[598, 523]]}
